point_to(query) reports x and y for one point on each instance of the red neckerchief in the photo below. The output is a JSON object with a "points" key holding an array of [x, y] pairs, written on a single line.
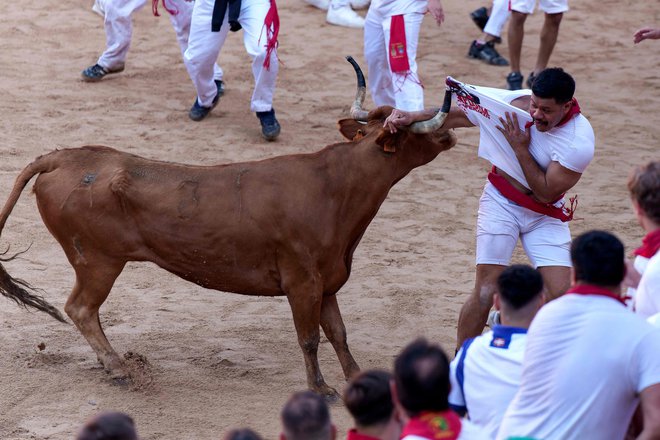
{"points": [[573, 111], [650, 244], [590, 289], [441, 425], [398, 48], [512, 193], [354, 435]]}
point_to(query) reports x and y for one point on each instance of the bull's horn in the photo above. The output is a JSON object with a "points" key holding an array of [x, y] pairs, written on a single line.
{"points": [[431, 125], [356, 109]]}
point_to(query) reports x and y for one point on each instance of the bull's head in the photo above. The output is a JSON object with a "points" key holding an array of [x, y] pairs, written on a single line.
{"points": [[427, 132]]}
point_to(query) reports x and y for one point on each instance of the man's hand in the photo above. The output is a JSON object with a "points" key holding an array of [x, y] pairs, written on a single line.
{"points": [[517, 138], [398, 118], [435, 8], [647, 33]]}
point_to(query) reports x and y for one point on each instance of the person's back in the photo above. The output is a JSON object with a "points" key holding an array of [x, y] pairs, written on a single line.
{"points": [[587, 360], [485, 374]]}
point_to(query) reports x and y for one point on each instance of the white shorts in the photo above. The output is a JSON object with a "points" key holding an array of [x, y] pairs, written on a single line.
{"points": [[547, 6], [500, 222]]}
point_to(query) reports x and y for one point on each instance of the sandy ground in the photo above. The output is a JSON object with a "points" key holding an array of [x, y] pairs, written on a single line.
{"points": [[210, 361]]}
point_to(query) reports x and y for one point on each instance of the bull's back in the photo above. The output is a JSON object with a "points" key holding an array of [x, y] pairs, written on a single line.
{"points": [[222, 227]]}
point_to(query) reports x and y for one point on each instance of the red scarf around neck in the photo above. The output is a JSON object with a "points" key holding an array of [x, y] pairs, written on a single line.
{"points": [[650, 245], [591, 289], [441, 425]]}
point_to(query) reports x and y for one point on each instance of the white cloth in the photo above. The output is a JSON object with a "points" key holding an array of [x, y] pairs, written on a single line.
{"points": [[400, 90], [547, 6], [118, 24], [485, 375], [647, 296], [204, 47], [500, 222], [571, 145], [586, 361], [499, 14]]}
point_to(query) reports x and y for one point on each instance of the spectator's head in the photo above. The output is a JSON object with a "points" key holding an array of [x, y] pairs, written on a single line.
{"points": [[554, 83], [598, 259], [421, 378], [519, 294], [109, 426], [644, 187], [242, 434], [306, 416], [368, 399]]}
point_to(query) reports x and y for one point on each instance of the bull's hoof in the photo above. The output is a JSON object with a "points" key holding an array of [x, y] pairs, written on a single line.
{"points": [[329, 394], [124, 381]]}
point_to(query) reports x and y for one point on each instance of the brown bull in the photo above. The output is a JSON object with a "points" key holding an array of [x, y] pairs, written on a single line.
{"points": [[282, 226]]}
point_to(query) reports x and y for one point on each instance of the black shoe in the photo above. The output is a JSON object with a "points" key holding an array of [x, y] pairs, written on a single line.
{"points": [[198, 112], [487, 53], [514, 81], [97, 72], [480, 17], [270, 128], [530, 80]]}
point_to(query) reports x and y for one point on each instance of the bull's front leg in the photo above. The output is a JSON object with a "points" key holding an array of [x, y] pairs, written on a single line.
{"points": [[305, 298], [334, 329]]}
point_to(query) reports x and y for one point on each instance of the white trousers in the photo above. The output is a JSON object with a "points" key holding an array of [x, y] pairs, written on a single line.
{"points": [[403, 91], [204, 47], [118, 25], [499, 14]]}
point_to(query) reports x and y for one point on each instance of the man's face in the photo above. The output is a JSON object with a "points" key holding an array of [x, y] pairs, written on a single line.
{"points": [[546, 112]]}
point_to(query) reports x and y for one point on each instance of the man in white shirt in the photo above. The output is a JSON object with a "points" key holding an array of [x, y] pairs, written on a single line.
{"points": [[537, 156], [485, 374], [589, 361]]}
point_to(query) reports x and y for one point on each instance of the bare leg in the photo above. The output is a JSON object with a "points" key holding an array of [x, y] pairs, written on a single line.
{"points": [[549, 34], [556, 280], [93, 283], [515, 38], [334, 329], [474, 313]]}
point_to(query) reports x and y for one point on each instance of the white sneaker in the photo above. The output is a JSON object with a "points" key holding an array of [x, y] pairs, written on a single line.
{"points": [[493, 318], [360, 4], [344, 16], [321, 4], [96, 7]]}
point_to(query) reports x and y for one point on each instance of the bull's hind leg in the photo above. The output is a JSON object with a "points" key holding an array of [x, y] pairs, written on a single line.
{"points": [[335, 331], [93, 283]]}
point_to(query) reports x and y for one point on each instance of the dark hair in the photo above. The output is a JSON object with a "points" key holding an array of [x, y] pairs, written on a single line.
{"points": [[109, 426], [644, 187], [368, 398], [305, 416], [518, 285], [421, 375], [598, 259], [242, 434], [554, 83]]}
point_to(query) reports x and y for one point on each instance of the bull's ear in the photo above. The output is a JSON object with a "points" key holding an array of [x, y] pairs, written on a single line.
{"points": [[351, 129], [388, 140]]}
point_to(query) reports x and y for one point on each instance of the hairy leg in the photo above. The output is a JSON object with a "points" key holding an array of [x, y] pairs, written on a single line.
{"points": [[515, 38], [556, 280], [549, 33], [474, 312]]}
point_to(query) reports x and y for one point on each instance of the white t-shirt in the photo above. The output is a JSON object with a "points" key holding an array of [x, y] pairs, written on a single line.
{"points": [[586, 361], [485, 375], [388, 8], [647, 297], [572, 144]]}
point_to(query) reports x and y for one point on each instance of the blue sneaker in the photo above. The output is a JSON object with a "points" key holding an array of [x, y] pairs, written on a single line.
{"points": [[198, 112], [97, 72], [270, 128]]}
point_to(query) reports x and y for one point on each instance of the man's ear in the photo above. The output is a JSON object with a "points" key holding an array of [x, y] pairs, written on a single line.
{"points": [[496, 301], [351, 129]]}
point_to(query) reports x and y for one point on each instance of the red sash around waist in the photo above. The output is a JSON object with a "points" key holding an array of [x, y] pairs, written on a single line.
{"points": [[526, 201]]}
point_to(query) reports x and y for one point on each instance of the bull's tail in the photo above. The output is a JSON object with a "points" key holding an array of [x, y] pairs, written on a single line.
{"points": [[15, 289]]}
